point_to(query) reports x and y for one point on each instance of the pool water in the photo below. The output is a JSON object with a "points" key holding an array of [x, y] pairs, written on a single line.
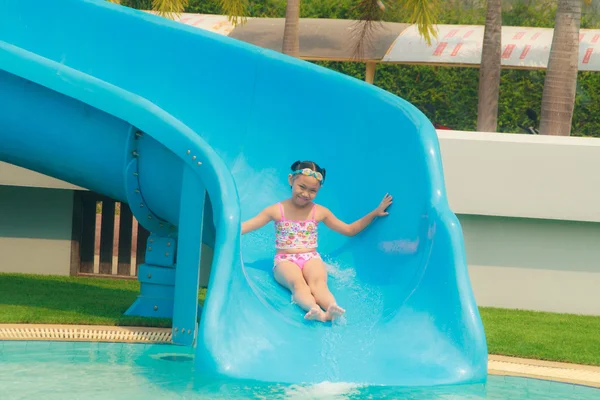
{"points": [[84, 370]]}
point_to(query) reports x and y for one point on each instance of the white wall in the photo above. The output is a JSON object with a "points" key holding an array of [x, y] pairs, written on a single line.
{"points": [[529, 207], [545, 265], [11, 175], [519, 175]]}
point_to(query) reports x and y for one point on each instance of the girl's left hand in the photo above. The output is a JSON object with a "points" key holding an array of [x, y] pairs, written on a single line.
{"points": [[385, 203]]}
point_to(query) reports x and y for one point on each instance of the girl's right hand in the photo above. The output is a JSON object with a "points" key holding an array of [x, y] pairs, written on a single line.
{"points": [[385, 203]]}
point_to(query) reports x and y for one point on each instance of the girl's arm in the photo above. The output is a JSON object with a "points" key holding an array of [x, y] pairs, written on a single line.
{"points": [[332, 222], [263, 218]]}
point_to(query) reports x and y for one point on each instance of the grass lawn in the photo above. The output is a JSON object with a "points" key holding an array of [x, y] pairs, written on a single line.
{"points": [[38, 299], [94, 301], [542, 335]]}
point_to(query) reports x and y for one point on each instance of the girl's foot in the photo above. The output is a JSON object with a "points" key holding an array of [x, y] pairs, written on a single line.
{"points": [[315, 314], [334, 311]]}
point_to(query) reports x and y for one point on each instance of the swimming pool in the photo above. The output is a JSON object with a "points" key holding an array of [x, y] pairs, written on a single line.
{"points": [[87, 370]]}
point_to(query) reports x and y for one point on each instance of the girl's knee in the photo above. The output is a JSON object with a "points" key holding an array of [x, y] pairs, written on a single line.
{"points": [[317, 284], [298, 285]]}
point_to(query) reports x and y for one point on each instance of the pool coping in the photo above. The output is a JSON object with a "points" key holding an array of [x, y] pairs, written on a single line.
{"points": [[96, 333], [577, 374]]}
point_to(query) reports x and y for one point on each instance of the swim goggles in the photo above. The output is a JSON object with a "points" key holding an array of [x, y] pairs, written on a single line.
{"points": [[309, 172]]}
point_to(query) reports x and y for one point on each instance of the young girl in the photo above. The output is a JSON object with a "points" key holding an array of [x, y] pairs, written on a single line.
{"points": [[297, 265]]}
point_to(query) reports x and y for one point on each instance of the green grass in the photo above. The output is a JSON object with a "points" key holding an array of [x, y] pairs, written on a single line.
{"points": [[40, 299], [542, 335], [94, 301]]}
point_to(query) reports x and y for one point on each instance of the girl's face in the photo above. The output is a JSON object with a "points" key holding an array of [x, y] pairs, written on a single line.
{"points": [[304, 189]]}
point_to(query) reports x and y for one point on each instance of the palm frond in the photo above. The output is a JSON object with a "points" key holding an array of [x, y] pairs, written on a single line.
{"points": [[424, 14], [370, 13], [168, 8], [235, 9]]}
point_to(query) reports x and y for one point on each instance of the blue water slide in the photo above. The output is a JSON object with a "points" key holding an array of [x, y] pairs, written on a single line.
{"points": [[196, 132]]}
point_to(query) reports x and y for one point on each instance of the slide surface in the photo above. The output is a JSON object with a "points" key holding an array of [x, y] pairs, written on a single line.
{"points": [[90, 89]]}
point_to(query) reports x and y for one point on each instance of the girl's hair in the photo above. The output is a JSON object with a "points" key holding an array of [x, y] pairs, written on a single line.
{"points": [[309, 164]]}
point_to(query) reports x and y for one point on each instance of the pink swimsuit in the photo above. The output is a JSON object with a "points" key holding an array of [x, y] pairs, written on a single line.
{"points": [[296, 235]]}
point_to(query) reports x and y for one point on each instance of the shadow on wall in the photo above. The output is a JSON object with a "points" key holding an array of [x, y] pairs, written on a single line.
{"points": [[36, 213], [531, 243]]}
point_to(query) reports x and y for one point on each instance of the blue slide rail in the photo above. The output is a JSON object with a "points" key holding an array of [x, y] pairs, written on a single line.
{"points": [[196, 132]]}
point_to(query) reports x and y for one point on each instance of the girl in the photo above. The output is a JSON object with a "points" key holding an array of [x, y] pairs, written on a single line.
{"points": [[297, 265]]}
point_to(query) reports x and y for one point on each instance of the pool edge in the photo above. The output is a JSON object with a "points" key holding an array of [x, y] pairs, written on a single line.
{"points": [[88, 333], [577, 374]]}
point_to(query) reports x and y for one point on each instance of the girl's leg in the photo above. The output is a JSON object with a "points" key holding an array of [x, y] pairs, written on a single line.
{"points": [[289, 275], [316, 276]]}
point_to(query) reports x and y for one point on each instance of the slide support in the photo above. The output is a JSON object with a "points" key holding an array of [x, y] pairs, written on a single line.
{"points": [[157, 274], [187, 273]]}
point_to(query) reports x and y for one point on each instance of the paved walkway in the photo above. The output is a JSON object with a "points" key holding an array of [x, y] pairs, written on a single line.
{"points": [[562, 372], [497, 365]]}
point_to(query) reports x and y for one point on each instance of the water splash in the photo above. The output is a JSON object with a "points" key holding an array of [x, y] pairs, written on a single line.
{"points": [[322, 391]]}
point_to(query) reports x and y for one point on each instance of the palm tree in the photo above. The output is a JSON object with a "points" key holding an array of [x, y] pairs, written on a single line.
{"points": [[489, 73], [558, 98], [291, 31], [423, 13]]}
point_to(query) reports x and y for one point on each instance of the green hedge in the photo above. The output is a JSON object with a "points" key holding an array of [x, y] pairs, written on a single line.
{"points": [[452, 93], [449, 95]]}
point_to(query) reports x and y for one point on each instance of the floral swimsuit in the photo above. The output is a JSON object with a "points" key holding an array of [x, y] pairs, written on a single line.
{"points": [[291, 234]]}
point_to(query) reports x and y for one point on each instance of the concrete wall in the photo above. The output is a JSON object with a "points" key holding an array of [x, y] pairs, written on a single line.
{"points": [[534, 264], [529, 210], [35, 230], [528, 206], [525, 176], [12, 175]]}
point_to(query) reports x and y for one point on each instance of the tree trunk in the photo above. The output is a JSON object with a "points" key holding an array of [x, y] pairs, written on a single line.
{"points": [[291, 33], [558, 98], [489, 73]]}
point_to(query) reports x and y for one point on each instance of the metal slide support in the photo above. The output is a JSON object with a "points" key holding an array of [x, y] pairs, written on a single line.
{"points": [[136, 201], [157, 274], [185, 310]]}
